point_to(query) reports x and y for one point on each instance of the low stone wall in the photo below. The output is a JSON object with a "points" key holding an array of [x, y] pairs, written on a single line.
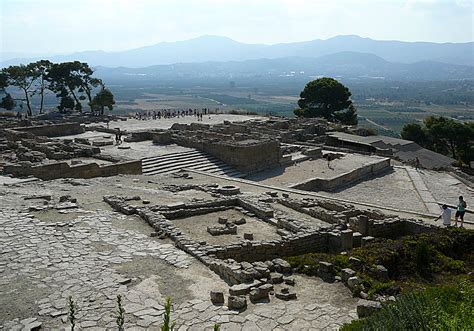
{"points": [[246, 261], [53, 130], [64, 170], [252, 251], [331, 184]]}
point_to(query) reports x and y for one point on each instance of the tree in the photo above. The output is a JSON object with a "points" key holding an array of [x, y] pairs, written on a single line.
{"points": [[415, 132], [87, 82], [75, 78], [327, 98], [41, 71], [23, 78], [63, 83], [8, 102], [103, 99], [66, 102], [443, 135]]}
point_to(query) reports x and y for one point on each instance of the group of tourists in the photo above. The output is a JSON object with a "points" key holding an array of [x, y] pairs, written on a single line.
{"points": [[460, 211], [172, 113]]}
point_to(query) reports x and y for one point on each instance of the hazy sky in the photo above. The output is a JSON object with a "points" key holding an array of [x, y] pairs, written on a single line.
{"points": [[62, 26]]}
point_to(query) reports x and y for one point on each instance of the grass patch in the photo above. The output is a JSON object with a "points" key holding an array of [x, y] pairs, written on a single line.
{"points": [[436, 308]]}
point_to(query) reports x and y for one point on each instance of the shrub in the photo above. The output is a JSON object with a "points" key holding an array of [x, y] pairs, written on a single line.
{"points": [[120, 320], [437, 308], [72, 307], [167, 324], [423, 258]]}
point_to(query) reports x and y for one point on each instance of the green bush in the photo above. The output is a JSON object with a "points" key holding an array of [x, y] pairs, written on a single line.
{"points": [[423, 254], [437, 308]]}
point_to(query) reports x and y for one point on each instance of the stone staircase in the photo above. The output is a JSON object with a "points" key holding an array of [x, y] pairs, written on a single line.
{"points": [[193, 159]]}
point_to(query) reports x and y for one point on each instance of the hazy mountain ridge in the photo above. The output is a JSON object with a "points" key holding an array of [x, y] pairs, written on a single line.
{"points": [[222, 49], [343, 64]]}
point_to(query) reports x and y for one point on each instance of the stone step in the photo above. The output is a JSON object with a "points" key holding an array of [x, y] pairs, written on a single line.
{"points": [[210, 166], [179, 161], [182, 164], [171, 155], [171, 159], [203, 166], [192, 159]]}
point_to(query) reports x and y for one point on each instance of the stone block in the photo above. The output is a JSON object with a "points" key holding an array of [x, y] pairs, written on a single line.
{"points": [[380, 272], [367, 240], [326, 272], [286, 294], [347, 273], [356, 239], [240, 221], [237, 302], [355, 263], [289, 280], [282, 266], [217, 297], [364, 225], [248, 236], [276, 278], [353, 282], [346, 240], [222, 220], [259, 294], [367, 307]]}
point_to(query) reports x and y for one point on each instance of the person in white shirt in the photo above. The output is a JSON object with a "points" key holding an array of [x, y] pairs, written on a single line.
{"points": [[446, 214]]}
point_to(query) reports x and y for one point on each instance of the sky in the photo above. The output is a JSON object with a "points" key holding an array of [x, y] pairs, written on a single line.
{"points": [[66, 26]]}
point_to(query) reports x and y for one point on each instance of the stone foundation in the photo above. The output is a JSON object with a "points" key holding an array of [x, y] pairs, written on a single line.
{"points": [[334, 183], [64, 170]]}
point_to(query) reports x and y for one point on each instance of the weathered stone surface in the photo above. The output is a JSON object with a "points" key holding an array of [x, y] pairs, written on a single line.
{"points": [[282, 266], [222, 220], [276, 278], [353, 282], [240, 289], [248, 236], [289, 280], [346, 274], [217, 297], [286, 294], [355, 263], [237, 302], [326, 271], [357, 239], [259, 294], [381, 272], [239, 221], [367, 307], [367, 240]]}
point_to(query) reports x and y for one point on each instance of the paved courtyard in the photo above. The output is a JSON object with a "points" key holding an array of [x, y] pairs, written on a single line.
{"points": [[93, 254]]}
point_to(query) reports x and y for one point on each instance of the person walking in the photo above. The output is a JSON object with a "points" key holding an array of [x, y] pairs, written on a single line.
{"points": [[417, 163], [118, 137], [461, 210], [446, 215]]}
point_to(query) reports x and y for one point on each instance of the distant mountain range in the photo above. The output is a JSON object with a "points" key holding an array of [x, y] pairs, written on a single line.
{"points": [[347, 65], [222, 49]]}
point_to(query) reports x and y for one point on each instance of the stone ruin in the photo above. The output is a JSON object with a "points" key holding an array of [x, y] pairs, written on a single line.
{"points": [[29, 151], [254, 268]]}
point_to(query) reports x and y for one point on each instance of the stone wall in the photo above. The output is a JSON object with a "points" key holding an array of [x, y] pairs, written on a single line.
{"points": [[64, 170], [53, 130], [245, 155], [331, 184], [252, 251]]}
